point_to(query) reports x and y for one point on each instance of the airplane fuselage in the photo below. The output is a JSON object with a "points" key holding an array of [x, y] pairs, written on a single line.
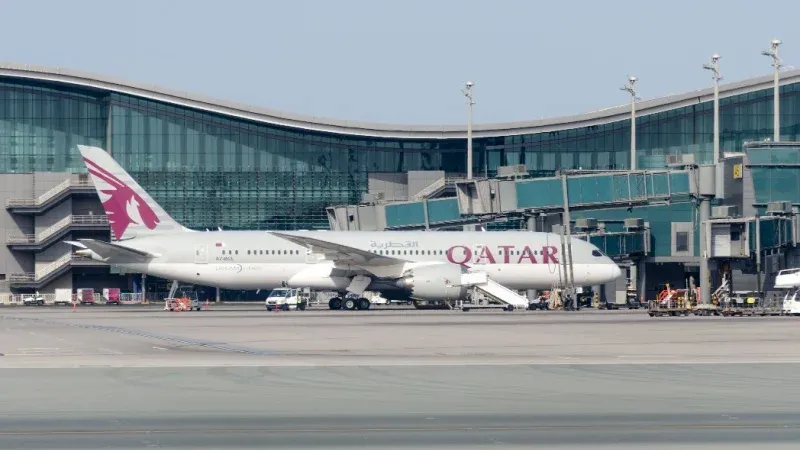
{"points": [[258, 260]]}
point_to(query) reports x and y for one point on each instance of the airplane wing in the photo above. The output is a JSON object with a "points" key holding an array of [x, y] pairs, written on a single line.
{"points": [[108, 250], [339, 252]]}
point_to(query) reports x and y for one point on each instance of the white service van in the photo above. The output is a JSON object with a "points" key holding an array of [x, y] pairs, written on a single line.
{"points": [[287, 299]]}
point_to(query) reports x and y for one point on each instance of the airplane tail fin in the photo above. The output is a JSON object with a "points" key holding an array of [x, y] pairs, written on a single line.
{"points": [[131, 211]]}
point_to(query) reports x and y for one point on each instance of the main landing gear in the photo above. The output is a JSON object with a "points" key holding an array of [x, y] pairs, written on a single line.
{"points": [[349, 304]]}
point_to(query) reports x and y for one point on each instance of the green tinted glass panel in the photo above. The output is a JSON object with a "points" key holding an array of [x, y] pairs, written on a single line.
{"points": [[443, 210], [404, 214]]}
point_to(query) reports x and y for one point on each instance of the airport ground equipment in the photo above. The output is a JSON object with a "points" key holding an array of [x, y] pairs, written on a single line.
{"points": [[286, 299], [112, 296], [85, 296], [182, 304], [788, 280], [677, 302], [485, 293], [33, 300], [63, 296]]}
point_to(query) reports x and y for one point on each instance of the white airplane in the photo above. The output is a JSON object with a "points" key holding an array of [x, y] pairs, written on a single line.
{"points": [[427, 266]]}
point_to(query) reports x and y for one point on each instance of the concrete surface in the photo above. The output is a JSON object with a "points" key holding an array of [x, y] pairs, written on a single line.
{"points": [[105, 378]]}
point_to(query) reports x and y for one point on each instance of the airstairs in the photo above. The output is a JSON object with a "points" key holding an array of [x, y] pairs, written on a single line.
{"points": [[483, 286]]}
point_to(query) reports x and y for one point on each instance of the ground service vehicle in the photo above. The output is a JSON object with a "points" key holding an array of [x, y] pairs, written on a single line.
{"points": [[789, 280], [63, 297], [33, 299], [287, 299], [112, 296]]}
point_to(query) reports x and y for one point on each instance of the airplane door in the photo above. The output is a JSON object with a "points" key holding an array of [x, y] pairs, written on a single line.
{"points": [[201, 254], [477, 251]]}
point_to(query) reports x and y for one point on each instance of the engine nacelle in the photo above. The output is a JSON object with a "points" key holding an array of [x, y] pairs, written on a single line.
{"points": [[435, 283]]}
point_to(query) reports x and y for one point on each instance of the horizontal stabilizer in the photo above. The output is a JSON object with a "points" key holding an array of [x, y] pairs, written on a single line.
{"points": [[108, 250], [75, 244]]}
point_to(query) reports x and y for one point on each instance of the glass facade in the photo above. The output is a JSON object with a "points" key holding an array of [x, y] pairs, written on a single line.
{"points": [[210, 170], [776, 172], [39, 126]]}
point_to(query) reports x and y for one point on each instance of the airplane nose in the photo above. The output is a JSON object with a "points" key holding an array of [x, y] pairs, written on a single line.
{"points": [[616, 272]]}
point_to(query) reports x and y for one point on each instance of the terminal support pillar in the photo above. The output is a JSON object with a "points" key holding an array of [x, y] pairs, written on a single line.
{"points": [[641, 281], [758, 256], [705, 275], [568, 236], [218, 296], [532, 293]]}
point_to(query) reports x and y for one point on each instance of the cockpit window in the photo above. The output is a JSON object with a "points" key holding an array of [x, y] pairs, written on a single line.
{"points": [[597, 253]]}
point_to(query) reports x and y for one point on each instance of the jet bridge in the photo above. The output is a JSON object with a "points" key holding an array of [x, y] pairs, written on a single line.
{"points": [[497, 200]]}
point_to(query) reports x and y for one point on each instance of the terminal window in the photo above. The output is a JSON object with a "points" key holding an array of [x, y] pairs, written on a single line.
{"points": [[682, 241]]}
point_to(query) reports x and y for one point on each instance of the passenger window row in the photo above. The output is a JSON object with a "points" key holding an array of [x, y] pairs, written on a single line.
{"points": [[263, 252], [408, 252]]}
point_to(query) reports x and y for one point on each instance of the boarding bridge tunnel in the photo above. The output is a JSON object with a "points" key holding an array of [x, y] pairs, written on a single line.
{"points": [[485, 200], [762, 244]]}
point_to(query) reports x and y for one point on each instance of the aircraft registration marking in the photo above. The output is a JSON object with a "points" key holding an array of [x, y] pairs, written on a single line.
{"points": [[237, 267]]}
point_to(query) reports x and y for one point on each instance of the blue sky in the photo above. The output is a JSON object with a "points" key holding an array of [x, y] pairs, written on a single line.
{"points": [[406, 61]]}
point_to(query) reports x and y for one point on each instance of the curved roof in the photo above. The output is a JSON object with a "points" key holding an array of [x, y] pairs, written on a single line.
{"points": [[347, 127]]}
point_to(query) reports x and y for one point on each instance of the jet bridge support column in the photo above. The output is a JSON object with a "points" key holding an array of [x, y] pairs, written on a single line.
{"points": [[640, 278], [532, 294], [705, 275]]}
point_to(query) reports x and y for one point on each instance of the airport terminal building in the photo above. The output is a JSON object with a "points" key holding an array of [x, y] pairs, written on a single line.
{"points": [[212, 164]]}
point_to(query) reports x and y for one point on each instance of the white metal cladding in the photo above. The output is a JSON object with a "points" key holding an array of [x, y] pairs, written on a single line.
{"points": [[346, 127]]}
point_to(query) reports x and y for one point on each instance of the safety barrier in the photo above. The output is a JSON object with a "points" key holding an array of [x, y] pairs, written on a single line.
{"points": [[42, 274], [49, 195], [50, 299], [62, 225]]}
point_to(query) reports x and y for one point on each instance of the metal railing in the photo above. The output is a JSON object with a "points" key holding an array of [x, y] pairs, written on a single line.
{"points": [[437, 186], [66, 222], [431, 189], [125, 298], [44, 272], [44, 198]]}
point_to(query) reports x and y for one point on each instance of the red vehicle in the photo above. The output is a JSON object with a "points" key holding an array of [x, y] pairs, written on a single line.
{"points": [[112, 296], [86, 296]]}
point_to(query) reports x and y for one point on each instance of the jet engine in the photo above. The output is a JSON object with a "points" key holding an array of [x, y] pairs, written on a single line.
{"points": [[434, 283]]}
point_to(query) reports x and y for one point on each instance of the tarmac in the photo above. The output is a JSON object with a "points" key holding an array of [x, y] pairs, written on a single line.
{"points": [[124, 377]]}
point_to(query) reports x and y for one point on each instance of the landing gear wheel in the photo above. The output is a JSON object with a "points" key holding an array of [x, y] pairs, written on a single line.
{"points": [[509, 308], [363, 304], [349, 304], [335, 303]]}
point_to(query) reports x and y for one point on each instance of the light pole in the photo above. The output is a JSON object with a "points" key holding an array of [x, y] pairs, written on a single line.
{"points": [[714, 67], [776, 64], [631, 89], [468, 93]]}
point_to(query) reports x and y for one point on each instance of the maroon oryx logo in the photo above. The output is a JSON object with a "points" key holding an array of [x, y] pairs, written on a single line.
{"points": [[120, 197]]}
